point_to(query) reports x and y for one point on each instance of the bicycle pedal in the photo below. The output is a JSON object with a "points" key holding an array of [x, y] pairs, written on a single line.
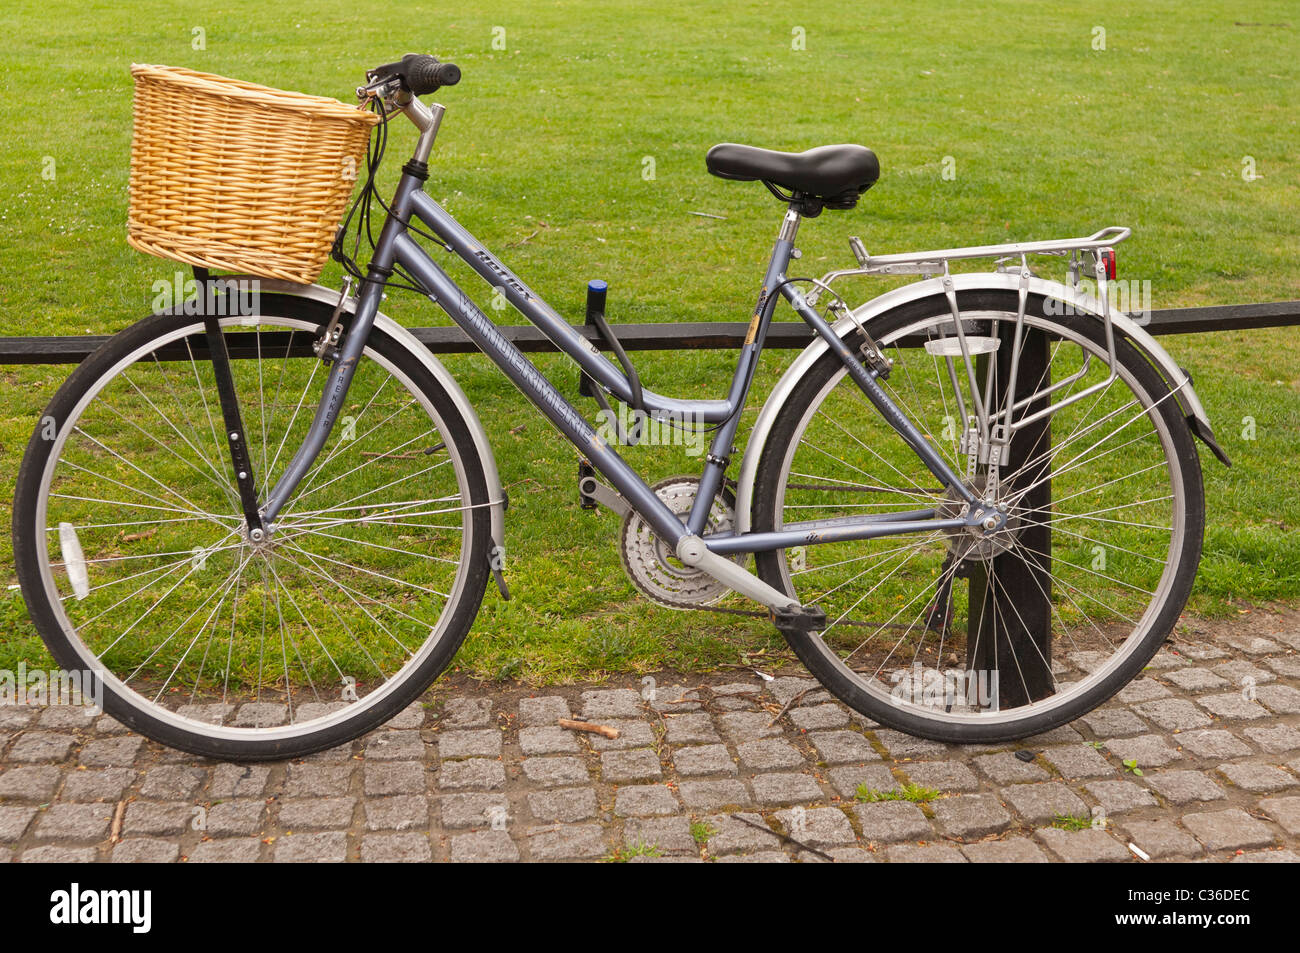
{"points": [[797, 618]]}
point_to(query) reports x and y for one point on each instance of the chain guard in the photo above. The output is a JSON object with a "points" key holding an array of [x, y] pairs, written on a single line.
{"points": [[652, 566]]}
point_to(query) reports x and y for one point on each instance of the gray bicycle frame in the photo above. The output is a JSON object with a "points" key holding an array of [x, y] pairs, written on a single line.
{"points": [[396, 246]]}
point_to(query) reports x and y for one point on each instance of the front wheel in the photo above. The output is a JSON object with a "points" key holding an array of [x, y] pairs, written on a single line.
{"points": [[964, 636], [136, 564]]}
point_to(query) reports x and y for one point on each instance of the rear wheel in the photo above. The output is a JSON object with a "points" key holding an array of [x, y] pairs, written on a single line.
{"points": [[136, 564], [916, 622]]}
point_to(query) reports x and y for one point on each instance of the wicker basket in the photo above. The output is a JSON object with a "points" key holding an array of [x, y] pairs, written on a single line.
{"points": [[240, 177]]}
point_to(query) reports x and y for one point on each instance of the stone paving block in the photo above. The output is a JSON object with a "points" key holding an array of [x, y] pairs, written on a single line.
{"points": [[1043, 803], [34, 783], [395, 777], [1280, 699], [768, 754], [462, 712], [230, 850], [240, 816], [484, 847], [1079, 761], [1288, 666], [971, 815], [33, 747], [239, 780], [818, 826], [611, 703], [1276, 739], [713, 795], [1284, 810], [483, 743], [106, 784], [317, 814], [159, 818], [13, 822], [412, 716], [889, 821], [875, 777], [900, 745], [146, 850], [843, 747], [675, 698], [1141, 690], [316, 780], [783, 789], [730, 835], [745, 726], [566, 842], [1250, 644], [631, 734], [1173, 714], [550, 772], [1005, 768], [261, 715], [58, 855], [929, 854], [1214, 743], [481, 773], [1195, 679], [1238, 671], [473, 810], [641, 764], [829, 715], [1184, 787], [564, 805], [1113, 723], [640, 800], [408, 848], [1083, 847], [326, 848], [1258, 778], [688, 729], [13, 717], [1150, 751], [401, 812], [787, 687], [1233, 707], [1116, 797], [1267, 857], [83, 822], [70, 717], [1162, 838], [669, 834], [388, 745], [1232, 829], [1013, 850], [172, 782], [841, 855], [943, 776], [544, 710], [212, 714], [703, 759]]}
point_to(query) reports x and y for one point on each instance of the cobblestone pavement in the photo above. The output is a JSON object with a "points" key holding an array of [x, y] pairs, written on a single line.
{"points": [[699, 772]]}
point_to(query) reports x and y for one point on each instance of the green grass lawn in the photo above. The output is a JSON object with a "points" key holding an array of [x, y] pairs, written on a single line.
{"points": [[545, 154]]}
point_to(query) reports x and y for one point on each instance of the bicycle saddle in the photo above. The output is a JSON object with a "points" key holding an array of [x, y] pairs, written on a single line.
{"points": [[834, 176]]}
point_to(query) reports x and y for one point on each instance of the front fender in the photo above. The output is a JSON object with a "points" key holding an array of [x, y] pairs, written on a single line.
{"points": [[1174, 376]]}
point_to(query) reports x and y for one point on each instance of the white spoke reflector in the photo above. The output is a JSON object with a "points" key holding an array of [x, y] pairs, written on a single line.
{"points": [[74, 560]]}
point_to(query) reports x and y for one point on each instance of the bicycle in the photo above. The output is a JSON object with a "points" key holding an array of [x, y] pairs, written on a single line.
{"points": [[974, 504]]}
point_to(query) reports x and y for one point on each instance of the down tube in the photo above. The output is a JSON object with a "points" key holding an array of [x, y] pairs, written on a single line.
{"points": [[534, 385]]}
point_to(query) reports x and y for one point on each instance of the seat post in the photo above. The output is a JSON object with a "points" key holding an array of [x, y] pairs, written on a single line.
{"points": [[790, 224]]}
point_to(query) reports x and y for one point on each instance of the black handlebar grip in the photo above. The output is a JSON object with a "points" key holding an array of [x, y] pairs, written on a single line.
{"points": [[424, 74]]}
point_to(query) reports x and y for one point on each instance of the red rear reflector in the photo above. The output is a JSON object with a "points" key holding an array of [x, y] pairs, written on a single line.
{"points": [[1108, 259]]}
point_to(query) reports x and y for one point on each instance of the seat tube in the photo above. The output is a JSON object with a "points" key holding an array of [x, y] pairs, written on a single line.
{"points": [[721, 447]]}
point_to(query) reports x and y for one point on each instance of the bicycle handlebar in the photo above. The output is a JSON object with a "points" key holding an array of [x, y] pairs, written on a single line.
{"points": [[418, 73]]}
